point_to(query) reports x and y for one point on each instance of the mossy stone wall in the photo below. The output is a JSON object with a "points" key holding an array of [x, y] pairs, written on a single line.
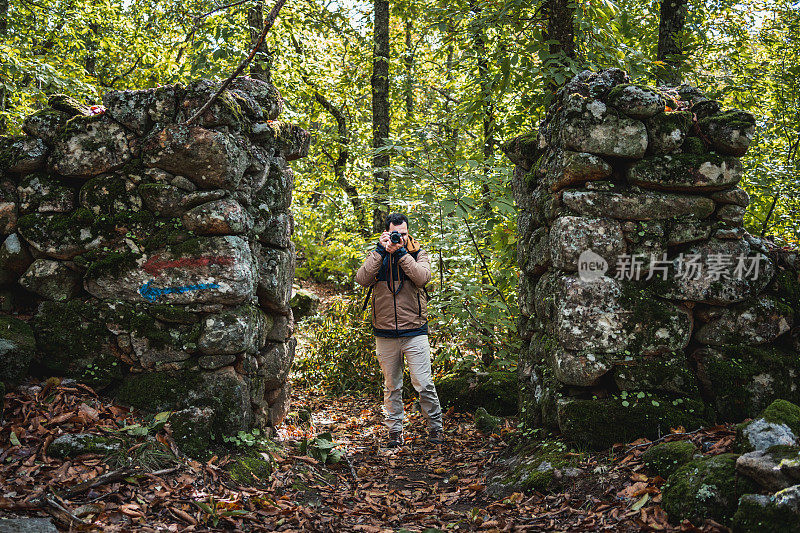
{"points": [[637, 308], [144, 248]]}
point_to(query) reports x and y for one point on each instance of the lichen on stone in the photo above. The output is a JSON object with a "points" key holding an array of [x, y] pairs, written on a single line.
{"points": [[708, 487]]}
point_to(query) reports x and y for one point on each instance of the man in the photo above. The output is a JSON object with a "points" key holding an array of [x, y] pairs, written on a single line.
{"points": [[396, 273]]}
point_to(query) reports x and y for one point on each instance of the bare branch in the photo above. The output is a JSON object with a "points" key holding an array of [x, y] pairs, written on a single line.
{"points": [[220, 8], [273, 14]]}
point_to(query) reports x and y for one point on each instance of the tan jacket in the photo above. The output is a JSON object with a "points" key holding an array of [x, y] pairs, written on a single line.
{"points": [[403, 314]]}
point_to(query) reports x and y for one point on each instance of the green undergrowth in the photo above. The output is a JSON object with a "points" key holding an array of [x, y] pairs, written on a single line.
{"points": [[339, 354]]}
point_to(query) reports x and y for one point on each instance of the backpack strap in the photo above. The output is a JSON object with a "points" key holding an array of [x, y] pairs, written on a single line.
{"points": [[382, 273], [366, 300]]}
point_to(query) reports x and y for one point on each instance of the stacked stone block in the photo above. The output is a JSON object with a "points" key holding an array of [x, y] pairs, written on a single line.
{"points": [[155, 256], [620, 174]]}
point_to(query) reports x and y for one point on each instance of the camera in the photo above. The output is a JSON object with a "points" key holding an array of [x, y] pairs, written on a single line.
{"points": [[395, 237]]}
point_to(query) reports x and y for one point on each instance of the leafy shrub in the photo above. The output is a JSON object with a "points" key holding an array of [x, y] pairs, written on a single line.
{"points": [[322, 448], [327, 252], [340, 351]]}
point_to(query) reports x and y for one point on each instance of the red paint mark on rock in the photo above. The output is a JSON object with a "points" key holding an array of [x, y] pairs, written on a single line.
{"points": [[154, 266]]}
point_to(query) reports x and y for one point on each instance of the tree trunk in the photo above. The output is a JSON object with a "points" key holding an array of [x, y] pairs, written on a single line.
{"points": [[3, 18], [340, 162], [672, 16], [90, 63], [560, 26], [560, 15], [451, 132], [486, 98], [380, 112], [408, 61], [261, 66], [487, 107], [3, 96]]}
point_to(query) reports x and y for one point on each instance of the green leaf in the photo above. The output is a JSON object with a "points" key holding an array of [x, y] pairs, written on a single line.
{"points": [[138, 431], [204, 507], [640, 503], [234, 512], [335, 456]]}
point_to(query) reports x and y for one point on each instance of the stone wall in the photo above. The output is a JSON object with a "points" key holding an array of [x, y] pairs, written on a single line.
{"points": [[154, 257], [620, 174]]}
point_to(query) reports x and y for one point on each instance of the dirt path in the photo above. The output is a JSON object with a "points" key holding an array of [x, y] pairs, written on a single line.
{"points": [[416, 486], [446, 487]]}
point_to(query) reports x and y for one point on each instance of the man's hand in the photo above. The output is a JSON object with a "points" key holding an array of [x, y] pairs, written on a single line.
{"points": [[387, 243]]}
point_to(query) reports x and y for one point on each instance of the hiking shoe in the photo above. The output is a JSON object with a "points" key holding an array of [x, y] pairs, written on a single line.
{"points": [[395, 439], [436, 436]]}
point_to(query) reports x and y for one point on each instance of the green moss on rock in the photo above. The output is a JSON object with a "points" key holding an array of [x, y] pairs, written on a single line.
{"points": [[534, 467], [158, 391], [250, 468], [172, 313], [17, 349], [670, 121], [786, 286], [486, 423], [40, 226], [67, 235], [733, 119], [44, 124], [166, 232], [107, 262], [663, 459], [620, 90], [106, 194], [64, 327], [745, 379], [654, 315], [706, 488], [681, 171], [72, 445], [668, 374], [783, 412], [667, 131], [694, 146], [75, 343], [758, 514], [143, 324], [602, 422], [531, 390], [497, 392], [231, 103], [192, 430]]}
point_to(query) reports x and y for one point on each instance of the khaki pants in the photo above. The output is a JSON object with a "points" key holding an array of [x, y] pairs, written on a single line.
{"points": [[417, 352]]}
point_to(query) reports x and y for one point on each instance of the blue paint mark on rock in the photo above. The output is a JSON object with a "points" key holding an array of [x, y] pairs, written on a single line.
{"points": [[150, 293]]}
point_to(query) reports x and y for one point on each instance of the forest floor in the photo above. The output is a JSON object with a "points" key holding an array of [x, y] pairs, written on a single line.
{"points": [[288, 486], [419, 487]]}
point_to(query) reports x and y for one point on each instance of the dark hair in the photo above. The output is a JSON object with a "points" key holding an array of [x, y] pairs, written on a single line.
{"points": [[396, 219]]}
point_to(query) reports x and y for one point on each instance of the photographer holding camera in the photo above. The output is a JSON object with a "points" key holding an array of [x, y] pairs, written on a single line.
{"points": [[396, 272]]}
